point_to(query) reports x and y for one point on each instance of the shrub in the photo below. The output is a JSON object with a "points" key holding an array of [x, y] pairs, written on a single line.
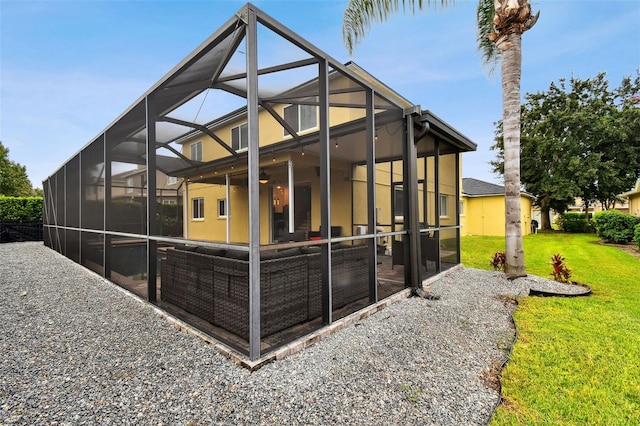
{"points": [[21, 209], [615, 227], [573, 222], [561, 272], [636, 235], [498, 261]]}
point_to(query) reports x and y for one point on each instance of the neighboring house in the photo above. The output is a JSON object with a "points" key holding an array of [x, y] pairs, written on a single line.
{"points": [[578, 206], [483, 209], [319, 192], [633, 200], [132, 184]]}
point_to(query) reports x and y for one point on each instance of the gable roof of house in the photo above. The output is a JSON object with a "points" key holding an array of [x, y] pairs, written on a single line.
{"points": [[478, 188]]}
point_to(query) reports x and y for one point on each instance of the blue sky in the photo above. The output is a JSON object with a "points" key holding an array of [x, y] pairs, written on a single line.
{"points": [[69, 68]]}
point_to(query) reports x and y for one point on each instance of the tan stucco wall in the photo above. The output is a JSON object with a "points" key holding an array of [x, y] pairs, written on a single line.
{"points": [[347, 208], [270, 131], [485, 215], [213, 228], [634, 204]]}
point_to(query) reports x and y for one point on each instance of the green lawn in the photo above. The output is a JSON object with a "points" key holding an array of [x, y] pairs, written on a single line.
{"points": [[577, 360]]}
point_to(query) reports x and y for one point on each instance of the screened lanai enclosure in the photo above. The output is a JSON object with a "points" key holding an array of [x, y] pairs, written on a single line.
{"points": [[262, 190]]}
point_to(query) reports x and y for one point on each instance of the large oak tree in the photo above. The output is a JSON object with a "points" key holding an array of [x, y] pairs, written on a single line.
{"points": [[578, 139], [14, 181]]}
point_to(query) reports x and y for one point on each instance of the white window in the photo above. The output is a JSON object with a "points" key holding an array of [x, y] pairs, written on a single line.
{"points": [[222, 208], [172, 180], [129, 189], [461, 208], [198, 208], [240, 137], [196, 151], [443, 205], [301, 117], [169, 202]]}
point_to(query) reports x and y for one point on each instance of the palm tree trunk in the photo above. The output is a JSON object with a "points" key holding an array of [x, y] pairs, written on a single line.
{"points": [[511, 71]]}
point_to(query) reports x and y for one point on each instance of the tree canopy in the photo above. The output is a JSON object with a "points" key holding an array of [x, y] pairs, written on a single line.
{"points": [[578, 139], [14, 181]]}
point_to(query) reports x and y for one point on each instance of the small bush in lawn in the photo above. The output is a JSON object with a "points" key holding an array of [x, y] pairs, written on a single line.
{"points": [[498, 261], [615, 227], [573, 222], [561, 272], [636, 235]]}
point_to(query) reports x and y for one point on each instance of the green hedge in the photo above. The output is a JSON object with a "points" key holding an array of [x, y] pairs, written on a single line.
{"points": [[21, 209], [636, 237], [615, 227], [573, 222]]}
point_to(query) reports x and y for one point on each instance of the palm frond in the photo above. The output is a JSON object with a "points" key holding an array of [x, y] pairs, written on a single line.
{"points": [[360, 14], [484, 21]]}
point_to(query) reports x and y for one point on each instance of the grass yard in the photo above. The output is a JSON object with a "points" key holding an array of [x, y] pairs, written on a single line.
{"points": [[577, 360]]}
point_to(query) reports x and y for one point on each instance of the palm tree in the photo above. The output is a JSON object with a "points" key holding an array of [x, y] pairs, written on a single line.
{"points": [[500, 25]]}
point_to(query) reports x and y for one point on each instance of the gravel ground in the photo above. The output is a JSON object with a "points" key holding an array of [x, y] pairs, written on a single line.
{"points": [[75, 349]]}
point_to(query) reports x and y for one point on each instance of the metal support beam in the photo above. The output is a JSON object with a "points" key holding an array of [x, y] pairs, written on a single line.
{"points": [[254, 188], [371, 195], [202, 128], [436, 182], [412, 257], [152, 226], [457, 167], [106, 260], [178, 154], [325, 189], [63, 250], [227, 206], [292, 200], [186, 219], [80, 195], [280, 120], [230, 89], [269, 70], [408, 277]]}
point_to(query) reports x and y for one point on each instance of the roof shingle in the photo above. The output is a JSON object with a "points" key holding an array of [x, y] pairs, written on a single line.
{"points": [[475, 187]]}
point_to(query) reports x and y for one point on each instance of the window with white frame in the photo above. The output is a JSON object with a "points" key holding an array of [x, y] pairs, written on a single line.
{"points": [[461, 208], [222, 207], [172, 180], [444, 210], [198, 208], [169, 202], [240, 137], [196, 151], [129, 184], [301, 117]]}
